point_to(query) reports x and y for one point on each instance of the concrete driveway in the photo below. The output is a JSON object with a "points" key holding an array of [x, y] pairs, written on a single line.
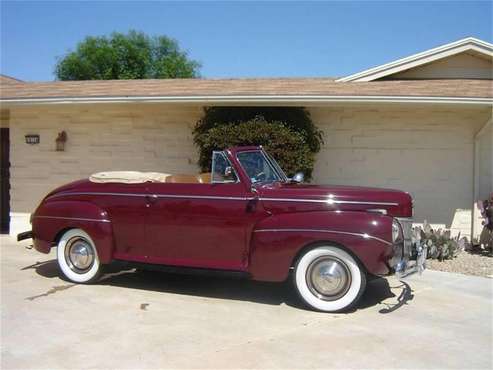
{"points": [[156, 320]]}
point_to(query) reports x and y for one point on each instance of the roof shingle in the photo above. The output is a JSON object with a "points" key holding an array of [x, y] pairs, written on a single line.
{"points": [[246, 87]]}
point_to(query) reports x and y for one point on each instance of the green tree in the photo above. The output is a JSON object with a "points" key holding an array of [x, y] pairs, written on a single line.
{"points": [[124, 57]]}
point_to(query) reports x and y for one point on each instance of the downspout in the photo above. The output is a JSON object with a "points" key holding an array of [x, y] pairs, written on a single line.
{"points": [[476, 169]]}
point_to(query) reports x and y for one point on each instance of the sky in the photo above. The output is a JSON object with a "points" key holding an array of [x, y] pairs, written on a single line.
{"points": [[244, 39]]}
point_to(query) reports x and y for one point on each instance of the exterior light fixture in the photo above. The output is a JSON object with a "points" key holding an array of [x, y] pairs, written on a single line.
{"points": [[60, 141]]}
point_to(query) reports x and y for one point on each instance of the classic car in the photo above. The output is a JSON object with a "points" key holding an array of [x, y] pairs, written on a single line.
{"points": [[245, 217]]}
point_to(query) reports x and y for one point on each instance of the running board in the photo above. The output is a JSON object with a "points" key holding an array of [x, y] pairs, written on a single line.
{"points": [[184, 270]]}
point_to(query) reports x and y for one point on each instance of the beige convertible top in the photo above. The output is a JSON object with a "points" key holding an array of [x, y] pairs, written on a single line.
{"points": [[129, 177]]}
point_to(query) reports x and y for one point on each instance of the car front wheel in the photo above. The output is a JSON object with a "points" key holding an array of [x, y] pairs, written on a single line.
{"points": [[77, 257], [329, 279]]}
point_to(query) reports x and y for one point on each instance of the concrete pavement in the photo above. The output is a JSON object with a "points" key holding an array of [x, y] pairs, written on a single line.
{"points": [[154, 320]]}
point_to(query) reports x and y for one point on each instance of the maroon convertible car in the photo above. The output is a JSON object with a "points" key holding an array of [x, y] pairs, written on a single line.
{"points": [[246, 217]]}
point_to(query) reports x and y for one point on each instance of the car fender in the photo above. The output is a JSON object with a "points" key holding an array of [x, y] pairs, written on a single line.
{"points": [[278, 240], [52, 218]]}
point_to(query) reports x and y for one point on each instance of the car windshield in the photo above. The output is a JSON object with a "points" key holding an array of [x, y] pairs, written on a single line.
{"points": [[260, 167]]}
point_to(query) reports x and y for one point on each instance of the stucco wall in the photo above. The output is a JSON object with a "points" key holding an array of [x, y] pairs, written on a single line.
{"points": [[100, 137], [425, 151], [463, 65]]}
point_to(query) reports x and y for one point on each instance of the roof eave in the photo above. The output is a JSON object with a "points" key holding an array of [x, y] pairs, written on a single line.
{"points": [[416, 60], [248, 99]]}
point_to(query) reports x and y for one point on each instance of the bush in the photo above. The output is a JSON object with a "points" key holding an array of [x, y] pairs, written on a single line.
{"points": [[287, 133], [288, 147]]}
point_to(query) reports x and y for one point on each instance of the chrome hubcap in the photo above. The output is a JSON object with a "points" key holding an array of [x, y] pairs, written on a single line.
{"points": [[79, 255], [328, 278]]}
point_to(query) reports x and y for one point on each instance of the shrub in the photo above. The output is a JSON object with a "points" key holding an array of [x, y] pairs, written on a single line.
{"points": [[288, 147], [288, 133]]}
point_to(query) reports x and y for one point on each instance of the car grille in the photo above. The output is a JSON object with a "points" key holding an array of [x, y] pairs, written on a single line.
{"points": [[407, 231]]}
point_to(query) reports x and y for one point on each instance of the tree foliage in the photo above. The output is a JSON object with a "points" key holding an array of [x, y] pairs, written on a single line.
{"points": [[126, 56], [287, 133]]}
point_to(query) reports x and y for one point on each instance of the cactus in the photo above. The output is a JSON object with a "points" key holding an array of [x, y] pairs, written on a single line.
{"points": [[440, 244]]}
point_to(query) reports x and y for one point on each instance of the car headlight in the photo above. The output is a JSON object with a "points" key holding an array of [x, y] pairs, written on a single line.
{"points": [[396, 232]]}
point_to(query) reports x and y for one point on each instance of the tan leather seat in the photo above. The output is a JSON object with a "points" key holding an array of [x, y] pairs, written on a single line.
{"points": [[204, 178], [182, 179]]}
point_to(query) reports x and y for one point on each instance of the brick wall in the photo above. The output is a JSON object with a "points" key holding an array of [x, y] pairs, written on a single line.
{"points": [[425, 151], [100, 137]]}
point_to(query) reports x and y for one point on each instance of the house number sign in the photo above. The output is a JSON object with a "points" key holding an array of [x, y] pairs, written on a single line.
{"points": [[32, 139]]}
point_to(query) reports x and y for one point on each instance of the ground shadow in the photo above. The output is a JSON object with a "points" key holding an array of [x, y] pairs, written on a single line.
{"points": [[47, 269], [477, 250], [378, 290]]}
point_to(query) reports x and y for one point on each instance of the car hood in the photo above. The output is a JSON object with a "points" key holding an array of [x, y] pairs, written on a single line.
{"points": [[307, 197]]}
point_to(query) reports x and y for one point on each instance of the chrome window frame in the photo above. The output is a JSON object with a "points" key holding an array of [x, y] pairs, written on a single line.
{"points": [[221, 152], [281, 178], [276, 166]]}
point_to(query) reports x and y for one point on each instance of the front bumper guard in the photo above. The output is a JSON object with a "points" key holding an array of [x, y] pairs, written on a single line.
{"points": [[410, 254], [409, 266]]}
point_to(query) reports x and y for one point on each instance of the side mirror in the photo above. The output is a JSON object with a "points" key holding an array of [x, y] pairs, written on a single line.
{"points": [[298, 177], [228, 171]]}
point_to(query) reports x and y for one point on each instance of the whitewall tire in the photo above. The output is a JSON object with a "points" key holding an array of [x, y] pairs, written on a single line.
{"points": [[77, 257], [329, 279]]}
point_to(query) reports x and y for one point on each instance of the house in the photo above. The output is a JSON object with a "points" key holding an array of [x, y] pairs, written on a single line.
{"points": [[422, 124]]}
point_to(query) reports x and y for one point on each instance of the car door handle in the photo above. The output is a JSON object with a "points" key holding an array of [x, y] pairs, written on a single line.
{"points": [[151, 199]]}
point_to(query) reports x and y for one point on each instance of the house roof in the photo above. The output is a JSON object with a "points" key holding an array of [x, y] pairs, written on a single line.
{"points": [[468, 45], [228, 90], [5, 80], [361, 87]]}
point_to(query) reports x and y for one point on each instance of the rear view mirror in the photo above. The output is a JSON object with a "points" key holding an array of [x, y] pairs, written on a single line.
{"points": [[298, 177]]}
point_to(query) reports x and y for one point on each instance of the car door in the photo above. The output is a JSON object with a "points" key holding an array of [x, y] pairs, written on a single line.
{"points": [[202, 225], [127, 209]]}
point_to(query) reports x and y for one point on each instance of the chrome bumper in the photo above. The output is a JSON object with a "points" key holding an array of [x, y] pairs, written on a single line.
{"points": [[24, 235], [409, 255]]}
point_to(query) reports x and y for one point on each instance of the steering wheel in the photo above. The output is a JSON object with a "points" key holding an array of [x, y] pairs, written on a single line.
{"points": [[260, 176]]}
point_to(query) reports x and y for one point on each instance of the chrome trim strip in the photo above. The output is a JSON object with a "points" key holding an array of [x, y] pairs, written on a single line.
{"points": [[378, 210], [95, 193], [73, 218], [173, 196], [203, 197], [329, 201], [365, 236]]}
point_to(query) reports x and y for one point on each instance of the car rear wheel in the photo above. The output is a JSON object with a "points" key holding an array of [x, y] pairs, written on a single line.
{"points": [[329, 279], [77, 257]]}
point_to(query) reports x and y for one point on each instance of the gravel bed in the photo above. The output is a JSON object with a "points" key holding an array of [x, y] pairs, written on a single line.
{"points": [[465, 263]]}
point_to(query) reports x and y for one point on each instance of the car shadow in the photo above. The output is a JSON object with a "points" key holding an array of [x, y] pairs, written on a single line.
{"points": [[378, 291]]}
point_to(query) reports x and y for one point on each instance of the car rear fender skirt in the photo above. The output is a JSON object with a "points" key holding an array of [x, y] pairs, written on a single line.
{"points": [[278, 240], [53, 218]]}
